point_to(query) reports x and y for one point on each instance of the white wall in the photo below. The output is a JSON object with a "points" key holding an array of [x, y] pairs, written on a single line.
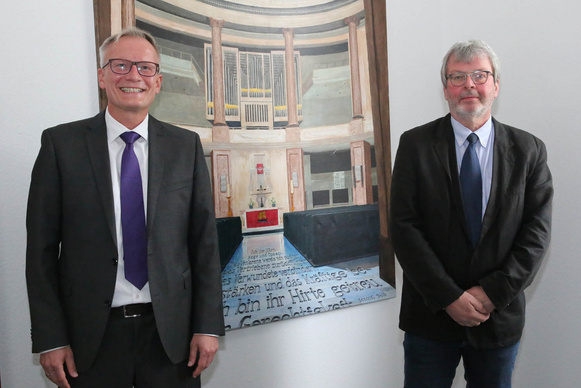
{"points": [[48, 76], [538, 45]]}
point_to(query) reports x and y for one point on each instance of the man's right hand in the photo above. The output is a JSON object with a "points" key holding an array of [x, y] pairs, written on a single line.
{"points": [[467, 311], [53, 364]]}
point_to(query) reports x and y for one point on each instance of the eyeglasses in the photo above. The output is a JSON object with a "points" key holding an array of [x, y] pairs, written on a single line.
{"points": [[478, 77], [123, 66]]}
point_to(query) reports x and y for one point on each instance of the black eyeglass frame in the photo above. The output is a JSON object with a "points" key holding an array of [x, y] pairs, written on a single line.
{"points": [[136, 64], [471, 74]]}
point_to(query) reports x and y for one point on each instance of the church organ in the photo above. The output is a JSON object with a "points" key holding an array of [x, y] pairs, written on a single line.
{"points": [[255, 90]]}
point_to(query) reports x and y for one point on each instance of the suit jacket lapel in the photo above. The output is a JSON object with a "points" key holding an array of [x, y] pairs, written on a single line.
{"points": [[157, 145], [442, 144], [446, 152], [503, 162], [96, 136]]}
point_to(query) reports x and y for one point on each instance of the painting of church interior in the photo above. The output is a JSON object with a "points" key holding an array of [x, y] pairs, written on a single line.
{"points": [[278, 91]]}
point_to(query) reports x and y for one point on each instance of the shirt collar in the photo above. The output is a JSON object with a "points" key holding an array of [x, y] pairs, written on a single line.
{"points": [[461, 132], [115, 128]]}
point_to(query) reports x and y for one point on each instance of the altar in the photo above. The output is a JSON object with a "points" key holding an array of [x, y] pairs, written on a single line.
{"points": [[262, 219]]}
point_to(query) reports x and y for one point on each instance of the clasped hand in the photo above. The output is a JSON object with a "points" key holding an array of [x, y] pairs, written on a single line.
{"points": [[472, 308]]}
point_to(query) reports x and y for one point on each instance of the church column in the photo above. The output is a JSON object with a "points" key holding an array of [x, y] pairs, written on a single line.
{"points": [[220, 132], [292, 128], [356, 125]]}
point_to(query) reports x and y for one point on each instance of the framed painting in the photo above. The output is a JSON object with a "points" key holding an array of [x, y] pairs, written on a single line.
{"points": [[290, 99]]}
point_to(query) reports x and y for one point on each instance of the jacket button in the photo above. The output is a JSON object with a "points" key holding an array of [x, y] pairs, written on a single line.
{"points": [[114, 261], [108, 303]]}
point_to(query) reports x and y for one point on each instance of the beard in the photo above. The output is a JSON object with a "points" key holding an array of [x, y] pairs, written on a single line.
{"points": [[471, 111]]}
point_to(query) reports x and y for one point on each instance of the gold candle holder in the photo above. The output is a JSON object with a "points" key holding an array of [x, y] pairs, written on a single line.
{"points": [[229, 207]]}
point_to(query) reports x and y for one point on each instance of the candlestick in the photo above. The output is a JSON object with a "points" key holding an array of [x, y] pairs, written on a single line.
{"points": [[229, 208]]}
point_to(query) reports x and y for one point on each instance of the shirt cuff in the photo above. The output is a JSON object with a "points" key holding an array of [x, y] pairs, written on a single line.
{"points": [[50, 350]]}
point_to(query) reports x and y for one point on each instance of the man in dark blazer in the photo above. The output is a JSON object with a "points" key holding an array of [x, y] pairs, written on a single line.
{"points": [[93, 326], [464, 276]]}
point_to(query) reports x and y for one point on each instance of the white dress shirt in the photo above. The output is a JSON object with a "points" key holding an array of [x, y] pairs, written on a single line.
{"points": [[125, 292]]}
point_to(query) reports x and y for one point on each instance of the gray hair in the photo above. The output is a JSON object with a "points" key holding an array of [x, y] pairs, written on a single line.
{"points": [[131, 31], [466, 52]]}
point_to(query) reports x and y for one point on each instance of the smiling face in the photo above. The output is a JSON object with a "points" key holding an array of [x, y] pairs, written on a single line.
{"points": [[129, 95], [471, 104]]}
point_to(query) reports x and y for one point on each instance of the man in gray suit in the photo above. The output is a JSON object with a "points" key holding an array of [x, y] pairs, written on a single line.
{"points": [[470, 223], [122, 259]]}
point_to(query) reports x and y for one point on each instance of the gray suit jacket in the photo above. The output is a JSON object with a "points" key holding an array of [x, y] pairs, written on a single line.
{"points": [[431, 241], [71, 260]]}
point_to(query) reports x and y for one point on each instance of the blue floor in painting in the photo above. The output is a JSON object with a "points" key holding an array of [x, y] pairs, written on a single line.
{"points": [[268, 280]]}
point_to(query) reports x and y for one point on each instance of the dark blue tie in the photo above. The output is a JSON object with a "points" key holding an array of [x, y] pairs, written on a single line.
{"points": [[471, 184], [133, 215]]}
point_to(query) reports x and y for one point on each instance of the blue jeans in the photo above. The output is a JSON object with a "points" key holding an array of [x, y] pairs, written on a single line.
{"points": [[432, 364]]}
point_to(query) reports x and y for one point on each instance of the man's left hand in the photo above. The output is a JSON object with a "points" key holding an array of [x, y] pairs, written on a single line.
{"points": [[203, 348], [478, 293]]}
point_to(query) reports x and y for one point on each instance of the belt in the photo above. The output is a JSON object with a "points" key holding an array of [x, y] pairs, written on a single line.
{"points": [[132, 310]]}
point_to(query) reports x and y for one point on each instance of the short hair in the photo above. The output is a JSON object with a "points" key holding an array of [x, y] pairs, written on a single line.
{"points": [[466, 51], [131, 31]]}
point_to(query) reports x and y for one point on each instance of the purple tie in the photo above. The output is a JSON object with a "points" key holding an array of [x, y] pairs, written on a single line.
{"points": [[133, 215]]}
